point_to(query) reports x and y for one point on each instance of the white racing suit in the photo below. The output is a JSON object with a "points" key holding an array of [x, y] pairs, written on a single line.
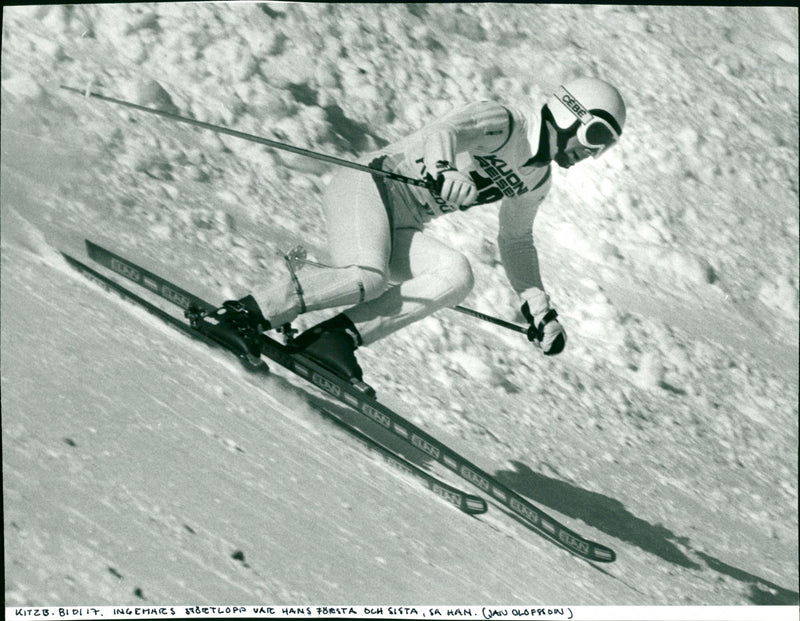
{"points": [[382, 263]]}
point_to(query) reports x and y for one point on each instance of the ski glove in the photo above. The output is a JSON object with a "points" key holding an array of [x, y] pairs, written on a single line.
{"points": [[546, 330], [451, 185]]}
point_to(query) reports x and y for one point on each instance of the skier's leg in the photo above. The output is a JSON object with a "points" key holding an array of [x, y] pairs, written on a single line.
{"points": [[360, 246], [431, 276]]}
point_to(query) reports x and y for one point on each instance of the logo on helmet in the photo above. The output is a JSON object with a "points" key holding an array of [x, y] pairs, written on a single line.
{"points": [[573, 105]]}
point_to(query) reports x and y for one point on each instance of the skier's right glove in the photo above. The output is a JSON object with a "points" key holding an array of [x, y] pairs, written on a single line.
{"points": [[453, 186], [548, 332], [544, 328]]}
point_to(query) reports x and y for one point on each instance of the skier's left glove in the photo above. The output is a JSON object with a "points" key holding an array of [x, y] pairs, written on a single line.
{"points": [[453, 186], [544, 328]]}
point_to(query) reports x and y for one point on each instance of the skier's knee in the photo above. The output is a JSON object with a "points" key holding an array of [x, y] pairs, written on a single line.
{"points": [[372, 282], [461, 279]]}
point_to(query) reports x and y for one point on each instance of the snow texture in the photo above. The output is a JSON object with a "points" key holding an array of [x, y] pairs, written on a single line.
{"points": [[140, 466]]}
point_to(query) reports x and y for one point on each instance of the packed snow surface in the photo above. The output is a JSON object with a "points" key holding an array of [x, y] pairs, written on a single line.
{"points": [[140, 466]]}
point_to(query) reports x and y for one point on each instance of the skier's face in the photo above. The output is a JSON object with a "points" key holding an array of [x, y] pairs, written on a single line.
{"points": [[571, 152]]}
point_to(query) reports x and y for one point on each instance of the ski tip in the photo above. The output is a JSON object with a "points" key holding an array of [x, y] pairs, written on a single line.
{"points": [[603, 554]]}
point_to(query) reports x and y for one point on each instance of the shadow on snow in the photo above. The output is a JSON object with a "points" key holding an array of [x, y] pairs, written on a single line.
{"points": [[611, 517], [598, 511]]}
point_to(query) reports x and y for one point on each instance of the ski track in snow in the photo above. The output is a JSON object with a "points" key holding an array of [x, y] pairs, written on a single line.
{"points": [[142, 467]]}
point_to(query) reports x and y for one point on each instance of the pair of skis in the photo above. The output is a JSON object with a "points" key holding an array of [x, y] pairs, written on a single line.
{"points": [[362, 402]]}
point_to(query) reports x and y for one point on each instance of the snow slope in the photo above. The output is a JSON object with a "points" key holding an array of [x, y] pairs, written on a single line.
{"points": [[140, 466]]}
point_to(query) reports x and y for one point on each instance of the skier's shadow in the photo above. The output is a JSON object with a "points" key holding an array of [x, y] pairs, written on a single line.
{"points": [[599, 511], [611, 517]]}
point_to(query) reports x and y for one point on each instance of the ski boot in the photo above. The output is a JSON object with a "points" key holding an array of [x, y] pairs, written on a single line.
{"points": [[332, 344], [238, 325]]}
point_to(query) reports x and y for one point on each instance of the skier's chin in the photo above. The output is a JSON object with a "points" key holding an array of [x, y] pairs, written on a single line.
{"points": [[564, 160]]}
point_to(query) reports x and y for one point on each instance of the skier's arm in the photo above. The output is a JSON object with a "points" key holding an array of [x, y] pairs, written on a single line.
{"points": [[516, 244], [521, 262], [483, 127]]}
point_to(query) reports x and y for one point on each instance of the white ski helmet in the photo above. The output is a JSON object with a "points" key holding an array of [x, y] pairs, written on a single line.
{"points": [[593, 103]]}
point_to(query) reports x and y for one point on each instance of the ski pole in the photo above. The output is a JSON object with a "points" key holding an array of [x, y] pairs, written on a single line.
{"points": [[499, 322], [330, 159]]}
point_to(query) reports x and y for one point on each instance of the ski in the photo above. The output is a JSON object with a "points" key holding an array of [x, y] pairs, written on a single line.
{"points": [[365, 405], [180, 324], [466, 502]]}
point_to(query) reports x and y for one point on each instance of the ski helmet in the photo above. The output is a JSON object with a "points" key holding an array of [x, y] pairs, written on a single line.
{"points": [[595, 105]]}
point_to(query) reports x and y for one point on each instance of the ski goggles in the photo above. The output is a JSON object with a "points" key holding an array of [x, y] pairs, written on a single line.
{"points": [[595, 132]]}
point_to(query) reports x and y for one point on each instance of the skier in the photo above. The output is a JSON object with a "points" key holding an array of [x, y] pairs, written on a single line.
{"points": [[383, 264]]}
